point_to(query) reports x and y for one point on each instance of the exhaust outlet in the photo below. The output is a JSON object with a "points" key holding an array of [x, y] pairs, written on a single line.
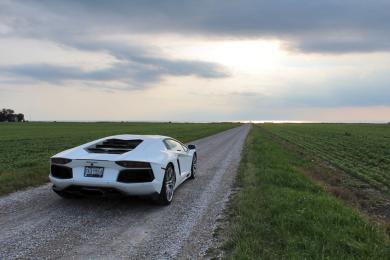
{"points": [[92, 192]]}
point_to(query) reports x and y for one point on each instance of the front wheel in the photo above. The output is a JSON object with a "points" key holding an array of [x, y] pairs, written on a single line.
{"points": [[166, 194]]}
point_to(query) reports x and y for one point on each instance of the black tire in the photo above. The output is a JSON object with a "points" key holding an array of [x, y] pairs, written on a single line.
{"points": [[194, 166], [66, 195], [166, 195]]}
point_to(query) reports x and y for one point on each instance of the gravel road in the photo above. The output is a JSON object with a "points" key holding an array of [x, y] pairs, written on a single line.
{"points": [[37, 224]]}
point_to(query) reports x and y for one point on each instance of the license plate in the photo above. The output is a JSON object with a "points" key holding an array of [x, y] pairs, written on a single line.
{"points": [[90, 171]]}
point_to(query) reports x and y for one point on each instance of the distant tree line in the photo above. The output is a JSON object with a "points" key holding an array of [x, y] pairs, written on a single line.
{"points": [[8, 115]]}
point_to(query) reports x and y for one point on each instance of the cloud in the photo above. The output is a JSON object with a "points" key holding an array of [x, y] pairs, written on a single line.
{"points": [[341, 96], [328, 26], [343, 44], [372, 91], [71, 25], [322, 26], [134, 74]]}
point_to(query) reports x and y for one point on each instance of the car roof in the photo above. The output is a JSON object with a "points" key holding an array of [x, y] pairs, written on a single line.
{"points": [[142, 137]]}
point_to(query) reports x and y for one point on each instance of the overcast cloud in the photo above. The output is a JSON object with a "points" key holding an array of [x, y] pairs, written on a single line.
{"points": [[307, 27], [321, 26]]}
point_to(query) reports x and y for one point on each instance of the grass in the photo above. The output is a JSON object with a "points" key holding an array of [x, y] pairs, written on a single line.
{"points": [[361, 150], [279, 213], [26, 147]]}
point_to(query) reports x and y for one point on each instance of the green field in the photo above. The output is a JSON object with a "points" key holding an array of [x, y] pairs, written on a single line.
{"points": [[361, 150], [279, 213], [26, 147]]}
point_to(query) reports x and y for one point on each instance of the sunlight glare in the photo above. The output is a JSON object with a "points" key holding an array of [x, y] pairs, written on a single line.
{"points": [[246, 56], [250, 56]]}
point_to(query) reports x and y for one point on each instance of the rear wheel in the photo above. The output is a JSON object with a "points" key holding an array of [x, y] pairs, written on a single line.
{"points": [[194, 166], [166, 195]]}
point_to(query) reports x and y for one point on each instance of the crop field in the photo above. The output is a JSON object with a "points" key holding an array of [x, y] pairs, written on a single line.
{"points": [[279, 212], [25, 148], [361, 150]]}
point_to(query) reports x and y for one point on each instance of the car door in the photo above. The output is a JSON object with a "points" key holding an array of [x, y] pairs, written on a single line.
{"points": [[182, 155], [186, 158]]}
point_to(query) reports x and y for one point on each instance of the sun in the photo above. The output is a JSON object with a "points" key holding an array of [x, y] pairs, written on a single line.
{"points": [[241, 55], [248, 56], [245, 56]]}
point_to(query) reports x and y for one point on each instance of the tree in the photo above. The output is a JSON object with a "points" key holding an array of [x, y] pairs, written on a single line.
{"points": [[8, 115], [3, 116], [20, 117]]}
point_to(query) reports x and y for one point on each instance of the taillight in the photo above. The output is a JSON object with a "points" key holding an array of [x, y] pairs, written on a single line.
{"points": [[133, 164], [60, 160]]}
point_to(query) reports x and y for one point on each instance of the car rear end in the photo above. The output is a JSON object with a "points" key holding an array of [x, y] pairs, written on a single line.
{"points": [[103, 168]]}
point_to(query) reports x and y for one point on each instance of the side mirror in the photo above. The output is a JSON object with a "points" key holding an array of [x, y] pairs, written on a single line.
{"points": [[191, 147]]}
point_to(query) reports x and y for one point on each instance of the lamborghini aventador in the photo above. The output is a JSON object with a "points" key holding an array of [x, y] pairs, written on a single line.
{"points": [[151, 165]]}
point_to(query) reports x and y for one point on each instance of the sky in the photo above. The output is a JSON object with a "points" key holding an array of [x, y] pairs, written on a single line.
{"points": [[199, 60]]}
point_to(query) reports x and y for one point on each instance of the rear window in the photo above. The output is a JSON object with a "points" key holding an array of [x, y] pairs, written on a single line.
{"points": [[115, 146]]}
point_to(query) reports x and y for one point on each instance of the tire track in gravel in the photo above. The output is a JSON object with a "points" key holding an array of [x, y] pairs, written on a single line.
{"points": [[36, 223]]}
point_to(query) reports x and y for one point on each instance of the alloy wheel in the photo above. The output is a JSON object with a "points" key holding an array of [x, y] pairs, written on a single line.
{"points": [[169, 183]]}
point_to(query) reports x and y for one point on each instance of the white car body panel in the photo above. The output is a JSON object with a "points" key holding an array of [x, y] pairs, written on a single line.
{"points": [[151, 150]]}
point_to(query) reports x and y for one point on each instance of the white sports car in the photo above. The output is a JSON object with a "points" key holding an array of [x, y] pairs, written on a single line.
{"points": [[124, 164]]}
